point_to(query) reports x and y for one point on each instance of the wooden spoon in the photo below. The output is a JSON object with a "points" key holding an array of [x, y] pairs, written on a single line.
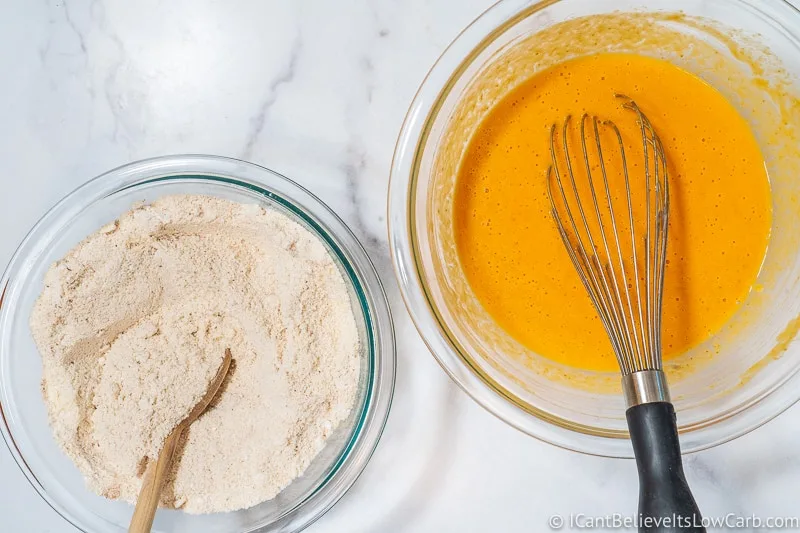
{"points": [[156, 472]]}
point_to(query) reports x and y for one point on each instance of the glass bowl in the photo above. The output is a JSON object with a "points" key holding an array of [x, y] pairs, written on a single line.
{"points": [[24, 419], [737, 380]]}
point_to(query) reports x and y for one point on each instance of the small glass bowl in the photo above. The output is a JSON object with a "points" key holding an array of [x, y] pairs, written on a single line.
{"points": [[24, 419], [741, 377]]}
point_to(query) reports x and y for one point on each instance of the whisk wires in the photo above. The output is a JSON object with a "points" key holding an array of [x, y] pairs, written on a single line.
{"points": [[615, 237]]}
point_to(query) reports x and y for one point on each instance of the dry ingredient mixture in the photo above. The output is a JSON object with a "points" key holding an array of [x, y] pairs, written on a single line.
{"points": [[134, 321]]}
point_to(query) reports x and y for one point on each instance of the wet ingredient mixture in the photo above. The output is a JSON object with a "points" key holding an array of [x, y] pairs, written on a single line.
{"points": [[510, 249], [133, 323]]}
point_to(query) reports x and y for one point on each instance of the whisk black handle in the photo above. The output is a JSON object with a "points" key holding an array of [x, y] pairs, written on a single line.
{"points": [[666, 503]]}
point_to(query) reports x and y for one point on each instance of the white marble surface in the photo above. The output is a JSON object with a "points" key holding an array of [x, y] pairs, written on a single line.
{"points": [[316, 90]]}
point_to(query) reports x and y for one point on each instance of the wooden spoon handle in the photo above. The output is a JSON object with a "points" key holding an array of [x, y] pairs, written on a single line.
{"points": [[156, 473], [154, 477]]}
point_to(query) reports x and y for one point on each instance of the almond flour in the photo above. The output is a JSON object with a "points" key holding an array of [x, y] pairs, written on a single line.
{"points": [[133, 323]]}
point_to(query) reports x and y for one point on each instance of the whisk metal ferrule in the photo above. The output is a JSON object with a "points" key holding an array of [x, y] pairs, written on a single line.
{"points": [[645, 386]]}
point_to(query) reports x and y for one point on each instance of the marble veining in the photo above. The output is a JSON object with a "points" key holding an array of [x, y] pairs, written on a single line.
{"points": [[316, 90]]}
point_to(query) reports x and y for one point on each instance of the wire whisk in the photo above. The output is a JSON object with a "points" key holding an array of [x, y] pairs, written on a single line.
{"points": [[624, 275], [609, 194]]}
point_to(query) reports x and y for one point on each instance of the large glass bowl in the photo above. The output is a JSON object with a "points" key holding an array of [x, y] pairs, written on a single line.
{"points": [[737, 380], [24, 419]]}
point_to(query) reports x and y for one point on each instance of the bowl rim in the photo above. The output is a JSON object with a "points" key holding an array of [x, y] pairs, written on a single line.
{"points": [[303, 206], [415, 130]]}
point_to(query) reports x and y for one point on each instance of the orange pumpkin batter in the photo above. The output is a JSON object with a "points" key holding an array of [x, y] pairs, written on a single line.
{"points": [[510, 249]]}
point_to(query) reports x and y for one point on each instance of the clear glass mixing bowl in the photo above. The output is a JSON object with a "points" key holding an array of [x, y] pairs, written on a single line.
{"points": [[737, 380], [24, 419]]}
